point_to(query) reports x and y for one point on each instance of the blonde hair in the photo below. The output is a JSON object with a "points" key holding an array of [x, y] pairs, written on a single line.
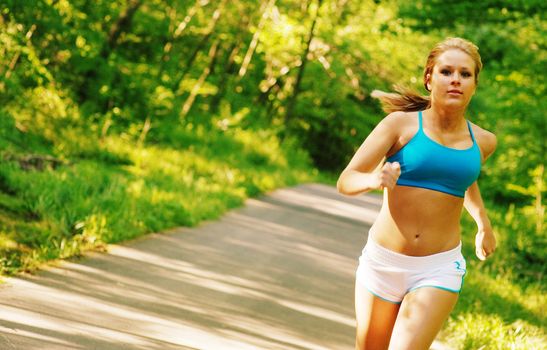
{"points": [[408, 100]]}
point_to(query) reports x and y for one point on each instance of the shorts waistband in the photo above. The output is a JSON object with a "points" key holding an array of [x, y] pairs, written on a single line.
{"points": [[383, 255]]}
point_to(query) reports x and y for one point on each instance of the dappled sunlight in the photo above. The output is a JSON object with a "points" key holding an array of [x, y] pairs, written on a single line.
{"points": [[500, 290], [123, 118], [328, 206], [370, 199], [470, 327], [276, 274], [32, 335], [335, 262], [319, 312], [50, 323], [100, 283]]}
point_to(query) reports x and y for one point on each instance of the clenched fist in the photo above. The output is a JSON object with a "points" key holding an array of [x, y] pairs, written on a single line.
{"points": [[485, 244], [388, 175]]}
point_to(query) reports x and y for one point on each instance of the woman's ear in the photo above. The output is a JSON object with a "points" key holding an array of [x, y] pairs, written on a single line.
{"points": [[428, 82]]}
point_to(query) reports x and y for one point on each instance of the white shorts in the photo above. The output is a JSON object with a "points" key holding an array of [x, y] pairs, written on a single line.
{"points": [[390, 275]]}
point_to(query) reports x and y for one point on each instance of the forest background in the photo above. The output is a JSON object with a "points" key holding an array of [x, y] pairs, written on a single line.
{"points": [[120, 118]]}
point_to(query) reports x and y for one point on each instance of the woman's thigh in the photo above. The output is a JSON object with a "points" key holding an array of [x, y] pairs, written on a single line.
{"points": [[375, 319], [420, 318]]}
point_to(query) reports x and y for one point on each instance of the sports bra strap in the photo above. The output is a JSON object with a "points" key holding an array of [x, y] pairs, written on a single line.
{"points": [[470, 131], [428, 164], [420, 126]]}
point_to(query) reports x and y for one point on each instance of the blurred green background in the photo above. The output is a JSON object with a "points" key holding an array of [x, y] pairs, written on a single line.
{"points": [[120, 118]]}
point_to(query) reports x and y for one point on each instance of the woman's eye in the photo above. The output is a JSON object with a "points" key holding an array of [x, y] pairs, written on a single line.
{"points": [[445, 72], [466, 74]]}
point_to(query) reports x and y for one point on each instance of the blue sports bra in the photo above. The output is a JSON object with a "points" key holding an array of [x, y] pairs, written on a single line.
{"points": [[427, 164]]}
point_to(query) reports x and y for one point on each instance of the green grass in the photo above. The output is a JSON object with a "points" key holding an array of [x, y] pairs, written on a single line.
{"points": [[119, 189], [503, 301], [497, 313], [114, 188]]}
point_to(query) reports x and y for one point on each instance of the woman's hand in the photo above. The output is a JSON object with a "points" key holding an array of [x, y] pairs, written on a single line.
{"points": [[485, 243], [388, 175]]}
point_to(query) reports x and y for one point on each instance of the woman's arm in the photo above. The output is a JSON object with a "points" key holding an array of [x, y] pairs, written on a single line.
{"points": [[362, 173], [475, 206], [485, 240]]}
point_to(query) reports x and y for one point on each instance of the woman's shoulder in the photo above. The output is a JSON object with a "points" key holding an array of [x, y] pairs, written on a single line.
{"points": [[399, 118], [403, 124], [399, 115], [487, 140]]}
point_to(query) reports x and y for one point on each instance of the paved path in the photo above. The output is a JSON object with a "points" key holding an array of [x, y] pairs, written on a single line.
{"points": [[275, 274]]}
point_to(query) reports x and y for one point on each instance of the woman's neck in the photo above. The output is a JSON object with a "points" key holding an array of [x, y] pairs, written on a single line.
{"points": [[446, 119]]}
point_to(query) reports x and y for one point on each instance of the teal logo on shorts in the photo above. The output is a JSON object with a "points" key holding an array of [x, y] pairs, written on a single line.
{"points": [[459, 266]]}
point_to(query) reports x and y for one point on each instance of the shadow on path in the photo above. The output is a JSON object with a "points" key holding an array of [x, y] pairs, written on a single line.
{"points": [[276, 274]]}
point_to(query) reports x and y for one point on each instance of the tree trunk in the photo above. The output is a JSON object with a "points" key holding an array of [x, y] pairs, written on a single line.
{"points": [[254, 41], [168, 46], [171, 13], [15, 58], [276, 82], [192, 97], [289, 116], [229, 66], [200, 46], [182, 25], [122, 24]]}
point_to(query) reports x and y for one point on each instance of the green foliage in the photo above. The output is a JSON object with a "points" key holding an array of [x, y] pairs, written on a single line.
{"points": [[509, 99], [116, 121], [512, 278], [425, 15], [183, 177]]}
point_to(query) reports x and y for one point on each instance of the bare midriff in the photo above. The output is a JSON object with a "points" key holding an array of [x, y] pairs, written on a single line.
{"points": [[417, 221]]}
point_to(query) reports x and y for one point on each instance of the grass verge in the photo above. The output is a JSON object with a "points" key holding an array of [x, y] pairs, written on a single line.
{"points": [[120, 189], [502, 303], [115, 188]]}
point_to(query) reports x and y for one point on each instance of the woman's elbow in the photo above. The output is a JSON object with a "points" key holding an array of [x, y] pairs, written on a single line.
{"points": [[342, 186]]}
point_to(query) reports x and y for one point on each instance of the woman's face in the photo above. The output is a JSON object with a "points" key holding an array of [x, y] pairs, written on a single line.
{"points": [[452, 81]]}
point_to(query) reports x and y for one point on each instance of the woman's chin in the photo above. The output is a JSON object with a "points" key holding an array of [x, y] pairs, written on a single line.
{"points": [[455, 102]]}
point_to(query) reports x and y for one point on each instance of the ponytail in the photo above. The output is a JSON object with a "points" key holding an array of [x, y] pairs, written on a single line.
{"points": [[405, 100]]}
